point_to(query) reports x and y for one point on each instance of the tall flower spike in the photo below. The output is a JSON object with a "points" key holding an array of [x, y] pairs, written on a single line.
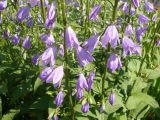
{"points": [[49, 56], [51, 16], [27, 43], [71, 39], [56, 76], [128, 31], [59, 99], [136, 3], [149, 6], [129, 47], [112, 98], [15, 39], [91, 43], [48, 39], [23, 13], [142, 19], [85, 107], [94, 12], [3, 4], [90, 80], [83, 56], [111, 36], [114, 62]]}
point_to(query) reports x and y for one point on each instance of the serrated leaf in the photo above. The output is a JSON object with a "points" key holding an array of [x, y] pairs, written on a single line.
{"points": [[136, 98]]}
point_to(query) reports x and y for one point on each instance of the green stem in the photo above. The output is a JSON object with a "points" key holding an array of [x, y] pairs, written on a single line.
{"points": [[66, 70], [87, 19], [114, 10], [42, 10]]}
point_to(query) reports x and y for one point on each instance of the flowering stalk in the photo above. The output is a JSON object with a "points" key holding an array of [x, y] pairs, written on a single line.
{"points": [[105, 70], [42, 10], [66, 71], [87, 18]]}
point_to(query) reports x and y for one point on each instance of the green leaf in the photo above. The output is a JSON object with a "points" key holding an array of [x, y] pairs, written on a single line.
{"points": [[10, 115], [37, 83], [135, 100]]}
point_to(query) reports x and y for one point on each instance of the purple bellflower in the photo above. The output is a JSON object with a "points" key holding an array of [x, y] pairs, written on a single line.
{"points": [[128, 31], [23, 13], [142, 19], [71, 39], [91, 43], [27, 43], [149, 6], [114, 62], [129, 47], [136, 3], [101, 107], [56, 76], [140, 31], [55, 117], [90, 80], [49, 56], [94, 12], [111, 36], [29, 22], [80, 85], [35, 59], [85, 107], [5, 34], [15, 39], [48, 39], [112, 98], [83, 56], [33, 2], [158, 43], [61, 50], [3, 4], [59, 99], [45, 73], [51, 16]]}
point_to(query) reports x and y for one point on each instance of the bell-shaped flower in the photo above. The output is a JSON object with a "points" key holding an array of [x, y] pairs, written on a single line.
{"points": [[136, 3], [27, 43], [23, 13], [94, 12], [114, 62], [49, 56], [154, 17], [5, 34], [33, 2], [56, 76], [59, 99], [111, 36], [142, 19], [90, 80], [112, 98], [83, 56], [51, 16], [128, 31], [3, 4], [71, 39], [29, 22], [48, 39], [149, 6], [61, 50], [140, 32], [81, 82], [80, 94], [158, 43], [15, 39], [35, 59], [91, 43], [45, 73], [129, 47], [85, 107]]}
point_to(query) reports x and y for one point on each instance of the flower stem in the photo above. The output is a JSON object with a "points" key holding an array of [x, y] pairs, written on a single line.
{"points": [[42, 10], [114, 10], [66, 70]]}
